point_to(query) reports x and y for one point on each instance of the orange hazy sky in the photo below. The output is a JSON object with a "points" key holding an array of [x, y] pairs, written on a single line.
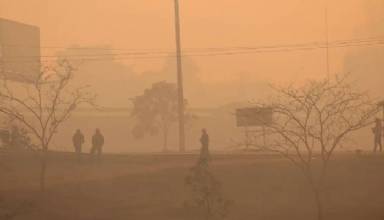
{"points": [[215, 23], [148, 24]]}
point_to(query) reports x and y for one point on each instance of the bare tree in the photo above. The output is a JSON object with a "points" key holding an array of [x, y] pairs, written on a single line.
{"points": [[43, 104], [312, 121]]}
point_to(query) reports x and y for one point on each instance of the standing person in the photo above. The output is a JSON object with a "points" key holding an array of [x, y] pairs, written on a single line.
{"points": [[377, 132], [78, 141], [204, 152], [97, 144]]}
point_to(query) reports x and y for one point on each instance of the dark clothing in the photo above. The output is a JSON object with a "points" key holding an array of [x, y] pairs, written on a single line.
{"points": [[378, 146], [98, 140], [204, 152], [378, 132], [97, 144], [78, 141], [204, 140]]}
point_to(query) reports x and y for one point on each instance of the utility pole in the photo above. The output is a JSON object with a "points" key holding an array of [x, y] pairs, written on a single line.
{"points": [[327, 38], [179, 79]]}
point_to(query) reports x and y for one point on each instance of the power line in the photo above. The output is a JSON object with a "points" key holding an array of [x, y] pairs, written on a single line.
{"points": [[209, 52], [169, 50]]}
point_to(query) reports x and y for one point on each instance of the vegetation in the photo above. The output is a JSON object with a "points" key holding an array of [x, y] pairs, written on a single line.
{"points": [[206, 192], [312, 121], [156, 111], [43, 105]]}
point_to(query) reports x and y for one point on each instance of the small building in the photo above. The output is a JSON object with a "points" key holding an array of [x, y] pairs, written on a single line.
{"points": [[19, 51]]}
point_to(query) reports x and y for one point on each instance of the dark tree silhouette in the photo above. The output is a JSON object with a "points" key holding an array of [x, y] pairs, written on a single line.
{"points": [[44, 104], [156, 111]]}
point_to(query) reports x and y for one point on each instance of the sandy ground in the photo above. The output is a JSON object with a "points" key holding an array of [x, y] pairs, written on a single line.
{"points": [[151, 187]]}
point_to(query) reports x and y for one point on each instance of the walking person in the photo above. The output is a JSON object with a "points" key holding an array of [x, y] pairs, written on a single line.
{"points": [[78, 141], [97, 144], [204, 152], [378, 133]]}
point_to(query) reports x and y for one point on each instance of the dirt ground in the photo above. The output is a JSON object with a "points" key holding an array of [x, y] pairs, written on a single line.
{"points": [[151, 187]]}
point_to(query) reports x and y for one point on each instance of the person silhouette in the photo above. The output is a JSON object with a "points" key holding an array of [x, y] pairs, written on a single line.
{"points": [[97, 144], [78, 141], [378, 133], [204, 152]]}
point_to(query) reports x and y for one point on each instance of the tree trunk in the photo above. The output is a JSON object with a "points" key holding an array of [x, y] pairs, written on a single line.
{"points": [[319, 205], [317, 189], [43, 168]]}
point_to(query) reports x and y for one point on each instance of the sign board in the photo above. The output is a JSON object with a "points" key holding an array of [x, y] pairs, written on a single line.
{"points": [[255, 116], [19, 51]]}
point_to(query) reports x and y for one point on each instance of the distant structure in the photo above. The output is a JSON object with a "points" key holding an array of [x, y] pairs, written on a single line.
{"points": [[254, 117], [19, 51]]}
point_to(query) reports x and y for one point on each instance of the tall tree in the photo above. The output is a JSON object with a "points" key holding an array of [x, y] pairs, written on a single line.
{"points": [[156, 111], [44, 104]]}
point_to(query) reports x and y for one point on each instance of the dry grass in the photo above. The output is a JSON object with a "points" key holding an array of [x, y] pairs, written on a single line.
{"points": [[151, 187]]}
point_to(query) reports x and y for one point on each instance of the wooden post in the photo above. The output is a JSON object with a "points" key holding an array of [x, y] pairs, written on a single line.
{"points": [[180, 88], [264, 137]]}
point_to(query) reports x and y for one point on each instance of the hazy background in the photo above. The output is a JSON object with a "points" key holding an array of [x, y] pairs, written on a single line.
{"points": [[138, 24], [210, 82]]}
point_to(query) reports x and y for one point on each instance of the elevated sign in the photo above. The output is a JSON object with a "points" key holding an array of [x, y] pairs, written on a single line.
{"points": [[254, 116]]}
